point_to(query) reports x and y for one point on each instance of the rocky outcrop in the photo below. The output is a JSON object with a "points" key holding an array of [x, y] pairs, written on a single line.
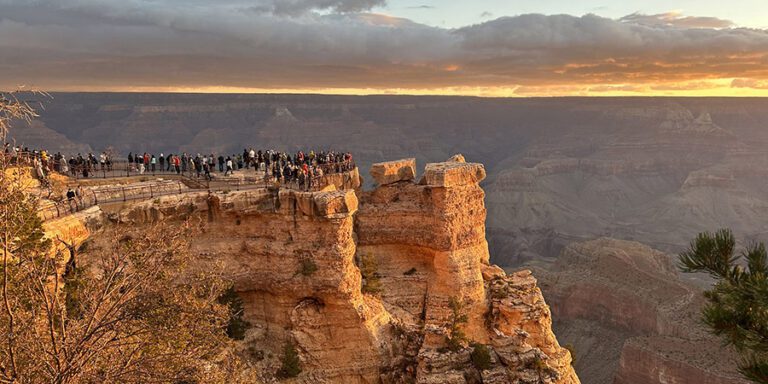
{"points": [[296, 259], [394, 171], [73, 230]]}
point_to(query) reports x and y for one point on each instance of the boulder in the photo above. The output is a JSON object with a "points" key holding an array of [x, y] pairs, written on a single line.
{"points": [[328, 204], [452, 174], [394, 171]]}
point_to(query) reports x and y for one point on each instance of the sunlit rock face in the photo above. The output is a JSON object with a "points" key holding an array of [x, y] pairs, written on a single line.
{"points": [[295, 259]]}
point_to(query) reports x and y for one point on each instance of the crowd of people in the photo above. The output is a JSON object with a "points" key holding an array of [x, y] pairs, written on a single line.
{"points": [[301, 169], [44, 162]]}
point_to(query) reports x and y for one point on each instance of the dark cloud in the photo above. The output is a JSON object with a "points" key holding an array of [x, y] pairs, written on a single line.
{"points": [[70, 44]]}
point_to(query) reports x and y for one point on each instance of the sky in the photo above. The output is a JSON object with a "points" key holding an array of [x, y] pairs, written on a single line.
{"points": [[499, 48]]}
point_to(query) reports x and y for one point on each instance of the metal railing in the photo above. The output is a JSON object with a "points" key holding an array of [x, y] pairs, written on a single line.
{"points": [[91, 197], [187, 184], [123, 168]]}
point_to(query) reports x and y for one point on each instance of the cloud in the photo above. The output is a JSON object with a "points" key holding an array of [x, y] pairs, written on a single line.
{"points": [[271, 44], [421, 7], [750, 83], [300, 7], [676, 19]]}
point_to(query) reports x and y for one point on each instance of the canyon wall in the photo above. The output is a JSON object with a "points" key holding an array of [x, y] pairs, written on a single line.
{"points": [[296, 260], [631, 319]]}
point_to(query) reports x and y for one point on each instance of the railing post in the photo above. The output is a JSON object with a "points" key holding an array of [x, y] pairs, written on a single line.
{"points": [[124, 198], [151, 194]]}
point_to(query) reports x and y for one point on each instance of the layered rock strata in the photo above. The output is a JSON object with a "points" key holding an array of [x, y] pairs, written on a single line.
{"points": [[626, 301]]}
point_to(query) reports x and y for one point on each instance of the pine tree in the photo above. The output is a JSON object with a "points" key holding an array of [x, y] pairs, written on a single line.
{"points": [[737, 305]]}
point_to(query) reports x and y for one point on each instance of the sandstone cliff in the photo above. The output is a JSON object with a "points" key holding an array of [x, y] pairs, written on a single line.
{"points": [[296, 261]]}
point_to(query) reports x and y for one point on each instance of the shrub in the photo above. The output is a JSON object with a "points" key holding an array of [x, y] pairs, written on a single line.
{"points": [[410, 272], [236, 326], [371, 280], [75, 283], [457, 339], [290, 362], [481, 357]]}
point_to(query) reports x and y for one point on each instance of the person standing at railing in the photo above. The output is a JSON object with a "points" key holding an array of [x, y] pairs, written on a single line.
{"points": [[177, 164], [64, 165], [152, 162], [229, 170], [221, 163], [161, 159]]}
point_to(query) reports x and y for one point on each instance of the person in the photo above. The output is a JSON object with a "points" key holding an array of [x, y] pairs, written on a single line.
{"points": [[71, 199], [221, 163], [207, 169], [230, 169], [152, 162], [64, 166], [277, 173], [161, 159], [177, 164], [302, 179]]}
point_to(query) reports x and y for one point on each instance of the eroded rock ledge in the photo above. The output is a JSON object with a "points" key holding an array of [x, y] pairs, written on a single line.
{"points": [[295, 259]]}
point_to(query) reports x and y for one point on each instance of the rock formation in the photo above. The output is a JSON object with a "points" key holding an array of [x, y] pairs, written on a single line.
{"points": [[296, 260]]}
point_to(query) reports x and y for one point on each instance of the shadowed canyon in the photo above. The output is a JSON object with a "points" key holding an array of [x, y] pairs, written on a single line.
{"points": [[596, 195]]}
